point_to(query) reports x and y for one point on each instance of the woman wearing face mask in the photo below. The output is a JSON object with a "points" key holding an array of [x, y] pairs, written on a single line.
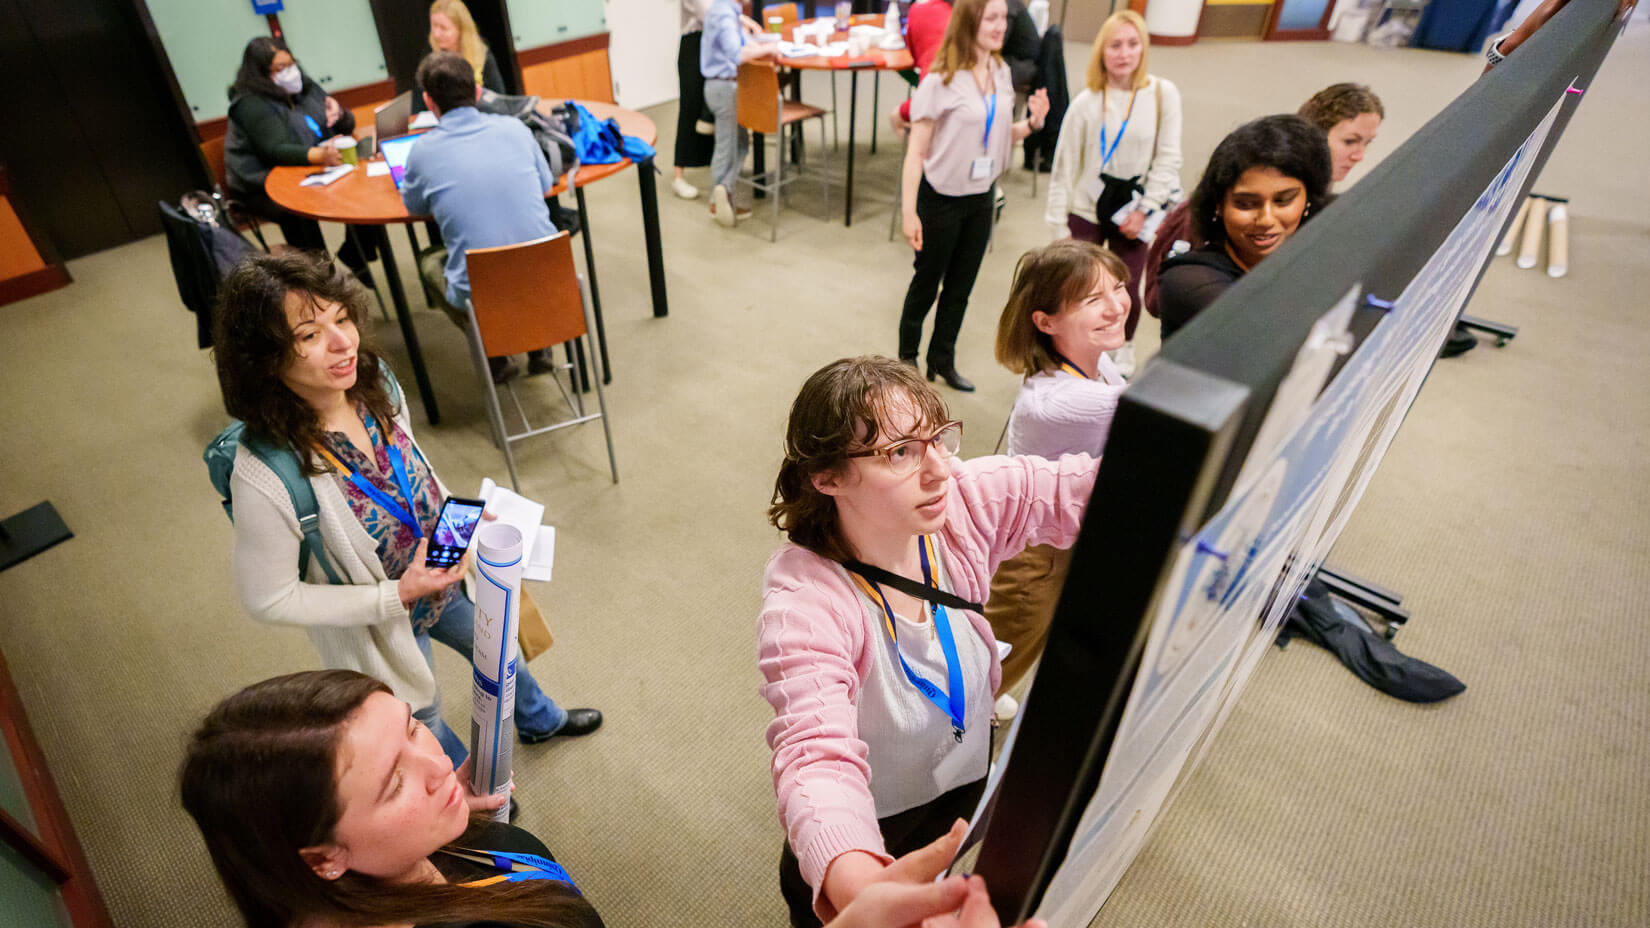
{"points": [[324, 802], [961, 138], [1263, 180], [1349, 115], [298, 372], [1120, 141], [878, 663], [453, 29], [278, 116], [1067, 307]]}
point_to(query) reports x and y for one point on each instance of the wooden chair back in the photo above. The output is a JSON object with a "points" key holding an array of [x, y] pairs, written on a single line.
{"points": [[212, 149], [758, 102], [785, 11], [526, 296]]}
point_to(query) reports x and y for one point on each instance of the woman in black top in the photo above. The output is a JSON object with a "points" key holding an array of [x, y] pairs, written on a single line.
{"points": [[324, 802], [278, 116], [453, 29], [1263, 180]]}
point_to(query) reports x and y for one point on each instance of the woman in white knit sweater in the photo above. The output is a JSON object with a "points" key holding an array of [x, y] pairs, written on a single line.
{"points": [[1120, 141], [294, 367]]}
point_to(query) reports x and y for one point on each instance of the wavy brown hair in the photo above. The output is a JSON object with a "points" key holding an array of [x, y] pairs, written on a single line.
{"points": [[1337, 103], [840, 409], [259, 780], [252, 344], [1048, 279]]}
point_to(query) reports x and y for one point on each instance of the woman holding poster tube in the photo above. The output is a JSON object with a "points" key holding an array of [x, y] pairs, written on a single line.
{"points": [[878, 663], [295, 366]]}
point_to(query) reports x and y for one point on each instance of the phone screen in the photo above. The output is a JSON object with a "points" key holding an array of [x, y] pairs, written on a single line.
{"points": [[453, 530]]}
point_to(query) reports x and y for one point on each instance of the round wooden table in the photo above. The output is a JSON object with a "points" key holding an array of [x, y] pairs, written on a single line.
{"points": [[372, 203], [875, 60]]}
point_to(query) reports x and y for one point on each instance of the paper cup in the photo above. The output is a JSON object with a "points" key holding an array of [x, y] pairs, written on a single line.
{"points": [[346, 148]]}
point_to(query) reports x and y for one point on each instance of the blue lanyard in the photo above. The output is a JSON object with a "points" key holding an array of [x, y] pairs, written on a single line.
{"points": [[1106, 153], [1069, 367], [399, 466], [955, 703], [517, 867], [314, 126], [990, 102]]}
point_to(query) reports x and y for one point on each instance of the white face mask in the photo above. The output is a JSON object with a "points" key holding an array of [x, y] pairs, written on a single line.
{"points": [[289, 79]]}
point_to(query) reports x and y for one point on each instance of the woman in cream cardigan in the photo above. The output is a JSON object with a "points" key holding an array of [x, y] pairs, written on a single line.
{"points": [[1120, 141], [295, 368]]}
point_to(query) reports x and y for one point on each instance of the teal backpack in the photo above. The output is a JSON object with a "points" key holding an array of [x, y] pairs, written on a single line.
{"points": [[220, 466]]}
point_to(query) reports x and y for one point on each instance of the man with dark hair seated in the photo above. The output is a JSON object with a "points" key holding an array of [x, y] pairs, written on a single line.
{"points": [[484, 179]]}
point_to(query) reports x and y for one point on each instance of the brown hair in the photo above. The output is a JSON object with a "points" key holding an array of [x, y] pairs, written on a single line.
{"points": [[252, 344], [1096, 77], [962, 40], [448, 79], [1337, 103], [259, 780], [839, 409], [1048, 279]]}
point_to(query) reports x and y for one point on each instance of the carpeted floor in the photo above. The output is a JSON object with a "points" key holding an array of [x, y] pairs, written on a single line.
{"points": [[1506, 512]]}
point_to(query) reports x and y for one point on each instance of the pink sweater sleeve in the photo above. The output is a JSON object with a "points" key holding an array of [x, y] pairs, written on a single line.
{"points": [[1004, 505], [811, 648]]}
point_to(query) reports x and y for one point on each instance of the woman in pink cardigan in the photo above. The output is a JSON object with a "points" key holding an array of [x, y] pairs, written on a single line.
{"points": [[882, 699]]}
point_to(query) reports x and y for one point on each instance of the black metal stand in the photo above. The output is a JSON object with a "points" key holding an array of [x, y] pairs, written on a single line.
{"points": [[403, 314], [595, 293], [30, 532], [1503, 333], [1362, 593]]}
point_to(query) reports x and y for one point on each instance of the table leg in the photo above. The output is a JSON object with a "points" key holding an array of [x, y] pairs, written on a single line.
{"points": [[759, 164], [403, 313], [650, 232], [848, 181], [876, 107], [595, 293]]}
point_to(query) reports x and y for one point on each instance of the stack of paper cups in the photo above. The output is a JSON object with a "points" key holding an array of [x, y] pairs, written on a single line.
{"points": [[498, 607]]}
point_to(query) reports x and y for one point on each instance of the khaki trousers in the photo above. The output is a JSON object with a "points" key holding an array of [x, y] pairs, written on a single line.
{"points": [[1023, 595]]}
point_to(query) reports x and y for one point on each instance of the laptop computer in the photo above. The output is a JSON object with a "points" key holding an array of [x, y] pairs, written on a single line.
{"points": [[392, 119], [395, 153]]}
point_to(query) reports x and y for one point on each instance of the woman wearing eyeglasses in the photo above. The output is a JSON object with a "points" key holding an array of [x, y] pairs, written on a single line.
{"points": [[882, 699]]}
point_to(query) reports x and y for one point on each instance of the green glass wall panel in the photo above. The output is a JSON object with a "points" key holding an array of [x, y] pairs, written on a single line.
{"points": [[537, 23], [335, 41], [203, 40], [12, 797], [28, 898]]}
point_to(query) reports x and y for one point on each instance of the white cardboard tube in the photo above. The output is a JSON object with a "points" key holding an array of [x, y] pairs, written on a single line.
{"points": [[498, 611], [1558, 241], [1506, 246], [1530, 248]]}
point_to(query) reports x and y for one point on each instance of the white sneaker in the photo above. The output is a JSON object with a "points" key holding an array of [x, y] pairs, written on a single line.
{"points": [[722, 206], [1005, 707], [1123, 359], [683, 189]]}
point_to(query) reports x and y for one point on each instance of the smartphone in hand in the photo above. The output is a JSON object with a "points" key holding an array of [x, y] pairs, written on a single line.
{"points": [[454, 528]]}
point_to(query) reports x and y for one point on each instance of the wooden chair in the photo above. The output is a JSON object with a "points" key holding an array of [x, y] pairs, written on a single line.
{"points": [[763, 109], [788, 13], [523, 298], [243, 218]]}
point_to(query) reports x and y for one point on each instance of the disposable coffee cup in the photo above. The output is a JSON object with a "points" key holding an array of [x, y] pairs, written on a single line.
{"points": [[776, 24], [346, 148]]}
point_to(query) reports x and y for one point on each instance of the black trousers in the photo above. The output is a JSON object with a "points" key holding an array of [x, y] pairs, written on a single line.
{"points": [[955, 231], [300, 231], [902, 833], [692, 149]]}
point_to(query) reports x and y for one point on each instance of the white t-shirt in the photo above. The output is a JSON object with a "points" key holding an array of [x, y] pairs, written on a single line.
{"points": [[913, 756]]}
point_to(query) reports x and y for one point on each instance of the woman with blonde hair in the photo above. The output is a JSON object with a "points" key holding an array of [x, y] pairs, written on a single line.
{"points": [[453, 29], [1119, 147], [961, 139]]}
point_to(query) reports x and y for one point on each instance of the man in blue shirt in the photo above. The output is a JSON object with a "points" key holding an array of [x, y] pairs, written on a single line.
{"points": [[484, 179]]}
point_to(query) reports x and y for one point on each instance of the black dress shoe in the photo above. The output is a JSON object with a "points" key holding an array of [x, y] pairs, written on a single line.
{"points": [[540, 362], [912, 360], [1459, 342], [579, 722], [515, 810], [952, 379]]}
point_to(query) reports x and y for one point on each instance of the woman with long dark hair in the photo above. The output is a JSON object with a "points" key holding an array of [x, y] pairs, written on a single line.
{"points": [[961, 139], [868, 762], [324, 802], [296, 366], [279, 116], [1263, 180]]}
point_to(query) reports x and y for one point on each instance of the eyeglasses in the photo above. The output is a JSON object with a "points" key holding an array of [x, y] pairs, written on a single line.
{"points": [[907, 455]]}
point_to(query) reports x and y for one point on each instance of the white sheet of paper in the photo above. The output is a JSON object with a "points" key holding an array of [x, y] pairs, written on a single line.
{"points": [[327, 176], [424, 120], [377, 168], [526, 515], [543, 561]]}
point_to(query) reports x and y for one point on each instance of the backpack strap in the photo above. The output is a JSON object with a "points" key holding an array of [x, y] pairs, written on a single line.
{"points": [[284, 463]]}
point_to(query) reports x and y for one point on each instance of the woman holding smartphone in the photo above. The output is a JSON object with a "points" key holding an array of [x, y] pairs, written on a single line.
{"points": [[295, 367], [961, 138]]}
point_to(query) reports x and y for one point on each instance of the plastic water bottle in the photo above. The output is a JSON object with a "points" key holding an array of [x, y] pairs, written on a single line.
{"points": [[890, 20], [843, 10], [1039, 14]]}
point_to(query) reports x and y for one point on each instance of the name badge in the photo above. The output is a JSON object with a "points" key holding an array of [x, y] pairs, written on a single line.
{"points": [[982, 168]]}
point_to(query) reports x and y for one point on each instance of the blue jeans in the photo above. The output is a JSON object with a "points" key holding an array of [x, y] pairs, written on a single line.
{"points": [[536, 713]]}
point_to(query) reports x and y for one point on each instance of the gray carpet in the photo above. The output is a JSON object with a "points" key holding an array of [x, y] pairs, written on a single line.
{"points": [[1510, 512]]}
